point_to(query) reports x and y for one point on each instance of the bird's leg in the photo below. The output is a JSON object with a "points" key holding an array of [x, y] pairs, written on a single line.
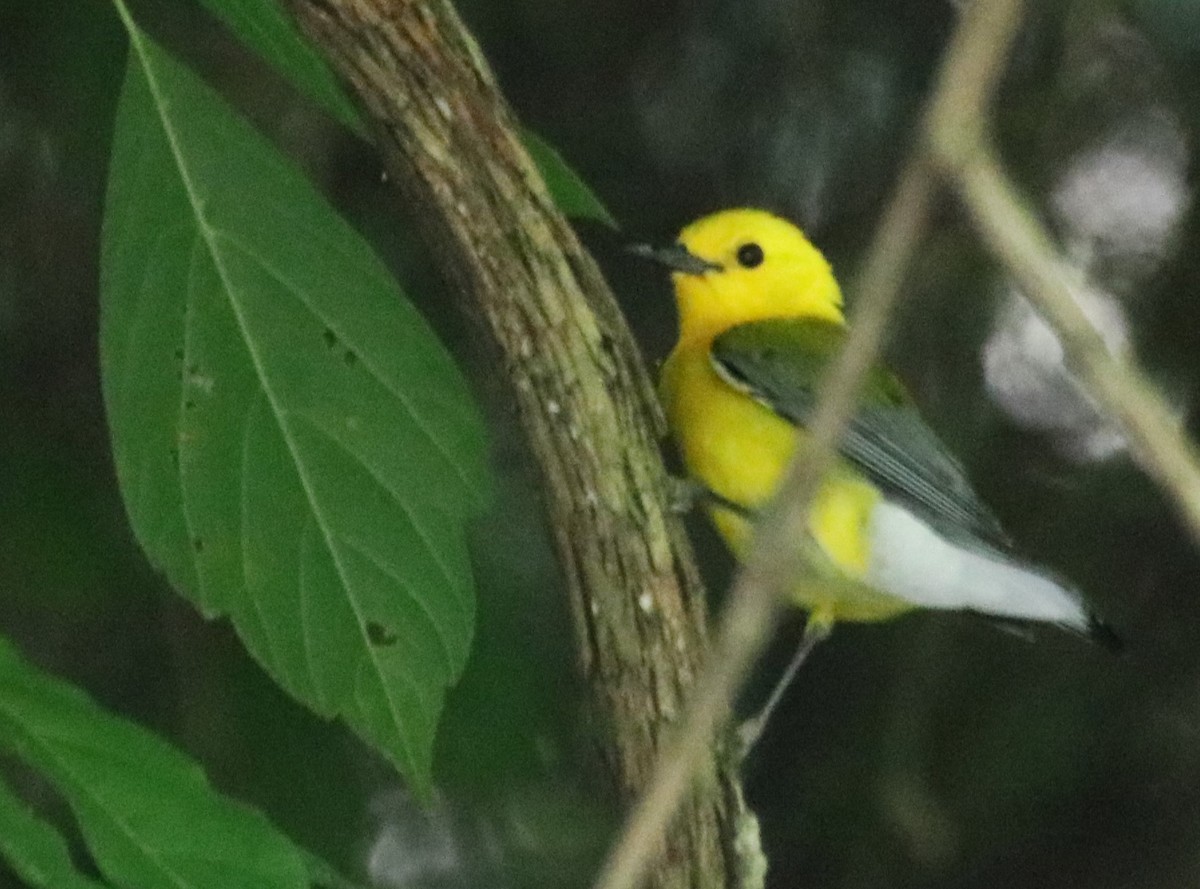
{"points": [[684, 493], [816, 630]]}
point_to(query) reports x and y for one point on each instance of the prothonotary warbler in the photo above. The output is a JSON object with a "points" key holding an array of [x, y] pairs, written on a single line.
{"points": [[895, 525]]}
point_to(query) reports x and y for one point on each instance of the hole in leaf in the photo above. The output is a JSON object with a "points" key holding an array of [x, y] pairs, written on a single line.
{"points": [[378, 634]]}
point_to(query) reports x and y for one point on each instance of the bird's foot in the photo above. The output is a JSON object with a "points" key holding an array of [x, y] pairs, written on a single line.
{"points": [[683, 494]]}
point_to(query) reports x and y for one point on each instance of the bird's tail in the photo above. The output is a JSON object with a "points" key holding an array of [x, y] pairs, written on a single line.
{"points": [[913, 561]]}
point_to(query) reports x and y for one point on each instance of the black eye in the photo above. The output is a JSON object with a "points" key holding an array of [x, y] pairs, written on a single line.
{"points": [[749, 255]]}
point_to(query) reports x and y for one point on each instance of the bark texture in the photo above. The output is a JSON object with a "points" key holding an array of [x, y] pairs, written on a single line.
{"points": [[451, 145]]}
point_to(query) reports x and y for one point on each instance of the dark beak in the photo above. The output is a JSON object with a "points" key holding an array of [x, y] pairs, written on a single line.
{"points": [[676, 258]]}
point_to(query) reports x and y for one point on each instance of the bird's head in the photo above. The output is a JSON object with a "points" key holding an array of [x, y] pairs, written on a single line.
{"points": [[745, 265]]}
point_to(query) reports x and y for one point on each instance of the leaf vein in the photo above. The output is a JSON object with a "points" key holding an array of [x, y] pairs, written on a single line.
{"points": [[378, 478], [384, 568], [365, 359], [85, 788]]}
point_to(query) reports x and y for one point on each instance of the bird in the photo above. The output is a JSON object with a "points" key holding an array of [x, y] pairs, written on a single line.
{"points": [[895, 525]]}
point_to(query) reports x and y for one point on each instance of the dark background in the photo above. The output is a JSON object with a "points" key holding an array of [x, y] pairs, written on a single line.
{"points": [[934, 751]]}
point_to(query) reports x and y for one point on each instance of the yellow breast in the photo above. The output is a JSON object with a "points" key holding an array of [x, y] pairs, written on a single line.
{"points": [[739, 449]]}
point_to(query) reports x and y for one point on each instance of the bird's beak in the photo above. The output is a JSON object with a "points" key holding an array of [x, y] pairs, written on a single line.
{"points": [[676, 258]]}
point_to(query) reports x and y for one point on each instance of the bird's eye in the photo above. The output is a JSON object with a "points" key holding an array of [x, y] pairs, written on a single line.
{"points": [[749, 255]]}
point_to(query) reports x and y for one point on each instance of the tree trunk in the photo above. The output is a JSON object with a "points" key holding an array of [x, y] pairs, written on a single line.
{"points": [[450, 143]]}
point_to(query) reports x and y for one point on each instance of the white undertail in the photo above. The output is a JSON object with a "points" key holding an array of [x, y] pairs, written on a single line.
{"points": [[911, 560]]}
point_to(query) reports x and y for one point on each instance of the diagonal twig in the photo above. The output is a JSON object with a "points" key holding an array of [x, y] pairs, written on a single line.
{"points": [[1157, 439]]}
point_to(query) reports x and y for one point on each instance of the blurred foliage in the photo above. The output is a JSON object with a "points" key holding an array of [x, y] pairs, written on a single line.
{"points": [[934, 751]]}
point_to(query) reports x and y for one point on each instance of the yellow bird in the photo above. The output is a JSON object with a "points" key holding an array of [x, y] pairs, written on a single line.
{"points": [[895, 525]]}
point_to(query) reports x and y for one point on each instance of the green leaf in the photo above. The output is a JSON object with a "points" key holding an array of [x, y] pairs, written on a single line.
{"points": [[34, 849], [570, 193], [271, 32], [146, 811], [295, 448]]}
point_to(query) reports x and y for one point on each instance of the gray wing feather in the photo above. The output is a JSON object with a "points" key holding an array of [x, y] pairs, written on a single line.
{"points": [[778, 361]]}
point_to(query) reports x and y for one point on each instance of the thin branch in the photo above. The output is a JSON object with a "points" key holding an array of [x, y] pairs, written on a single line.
{"points": [[775, 564], [1157, 439], [962, 150]]}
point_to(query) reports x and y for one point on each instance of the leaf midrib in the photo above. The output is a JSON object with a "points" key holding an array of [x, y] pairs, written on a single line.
{"points": [[417, 416]]}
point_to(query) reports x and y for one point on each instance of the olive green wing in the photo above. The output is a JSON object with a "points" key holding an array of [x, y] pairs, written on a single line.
{"points": [[780, 361]]}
